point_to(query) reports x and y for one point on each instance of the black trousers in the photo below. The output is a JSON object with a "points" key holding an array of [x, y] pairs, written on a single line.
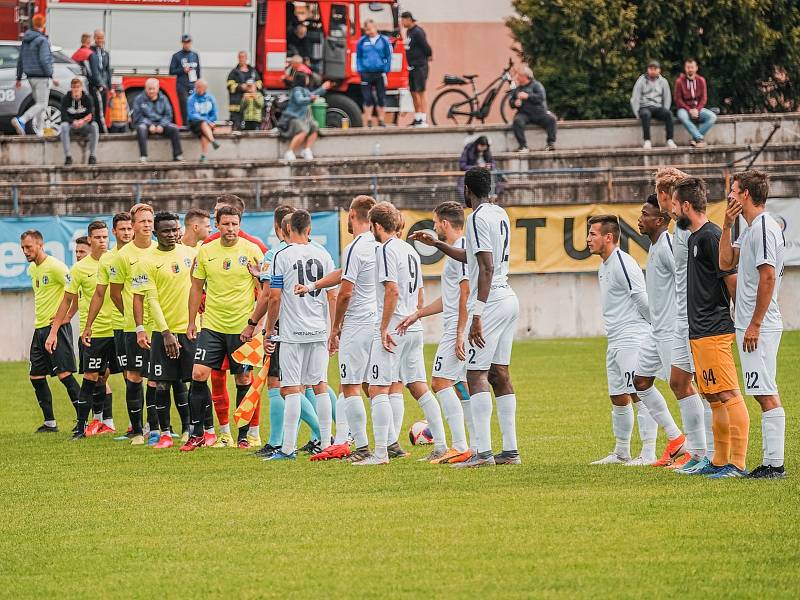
{"points": [[183, 101], [170, 131], [655, 112], [100, 98], [545, 120]]}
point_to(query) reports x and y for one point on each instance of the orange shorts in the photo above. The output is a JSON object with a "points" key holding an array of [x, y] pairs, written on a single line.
{"points": [[713, 363]]}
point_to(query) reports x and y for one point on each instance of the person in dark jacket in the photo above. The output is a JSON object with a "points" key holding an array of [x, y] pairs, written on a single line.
{"points": [[36, 63], [100, 93], [476, 153], [530, 100], [373, 62], [418, 55], [185, 65], [152, 115], [90, 63], [238, 78], [691, 95], [77, 118]]}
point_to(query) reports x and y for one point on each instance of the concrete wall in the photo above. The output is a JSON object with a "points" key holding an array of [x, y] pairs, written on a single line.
{"points": [[555, 305]]}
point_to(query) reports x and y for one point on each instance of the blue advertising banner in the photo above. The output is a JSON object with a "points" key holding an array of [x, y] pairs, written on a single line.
{"points": [[60, 234]]}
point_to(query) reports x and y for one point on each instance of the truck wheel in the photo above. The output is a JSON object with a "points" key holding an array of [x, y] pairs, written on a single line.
{"points": [[341, 107]]}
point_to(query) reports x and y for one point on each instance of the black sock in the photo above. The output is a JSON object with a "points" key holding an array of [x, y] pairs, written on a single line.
{"points": [[73, 390], [208, 414], [152, 411], [163, 406], [44, 397], [98, 400], [134, 399], [199, 399], [85, 397], [241, 392], [181, 396], [108, 407]]}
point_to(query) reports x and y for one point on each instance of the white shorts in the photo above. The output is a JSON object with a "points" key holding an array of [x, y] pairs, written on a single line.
{"points": [[682, 352], [654, 358], [445, 362], [303, 363], [412, 358], [620, 369], [760, 367], [406, 363], [354, 349], [499, 322]]}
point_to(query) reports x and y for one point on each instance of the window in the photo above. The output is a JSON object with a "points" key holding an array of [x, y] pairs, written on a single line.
{"points": [[380, 13], [338, 24], [8, 56]]}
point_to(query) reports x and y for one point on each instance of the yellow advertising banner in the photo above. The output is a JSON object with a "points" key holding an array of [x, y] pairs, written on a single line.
{"points": [[545, 239]]}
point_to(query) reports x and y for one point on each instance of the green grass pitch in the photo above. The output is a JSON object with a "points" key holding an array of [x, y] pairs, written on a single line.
{"points": [[101, 519]]}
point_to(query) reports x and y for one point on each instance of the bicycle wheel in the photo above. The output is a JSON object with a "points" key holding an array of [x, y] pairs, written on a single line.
{"points": [[452, 107], [505, 107]]}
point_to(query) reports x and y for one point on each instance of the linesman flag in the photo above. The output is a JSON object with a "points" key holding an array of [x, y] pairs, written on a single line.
{"points": [[251, 353]]}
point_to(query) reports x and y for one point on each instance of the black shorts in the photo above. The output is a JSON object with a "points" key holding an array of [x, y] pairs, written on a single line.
{"points": [[373, 89], [194, 126], [417, 78], [164, 368], [62, 360], [136, 357], [80, 357], [213, 347], [121, 361], [98, 357], [275, 362]]}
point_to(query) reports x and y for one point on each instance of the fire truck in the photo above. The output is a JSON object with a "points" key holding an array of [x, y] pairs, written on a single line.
{"points": [[142, 35]]}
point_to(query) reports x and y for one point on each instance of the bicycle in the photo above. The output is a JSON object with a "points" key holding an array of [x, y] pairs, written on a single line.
{"points": [[456, 107]]}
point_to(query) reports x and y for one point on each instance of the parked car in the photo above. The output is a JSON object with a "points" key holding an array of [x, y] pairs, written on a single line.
{"points": [[14, 102]]}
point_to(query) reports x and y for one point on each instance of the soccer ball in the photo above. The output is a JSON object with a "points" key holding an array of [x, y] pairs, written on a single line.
{"points": [[420, 434]]}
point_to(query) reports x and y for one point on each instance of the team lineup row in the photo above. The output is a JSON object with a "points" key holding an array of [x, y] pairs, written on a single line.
{"points": [[143, 301]]}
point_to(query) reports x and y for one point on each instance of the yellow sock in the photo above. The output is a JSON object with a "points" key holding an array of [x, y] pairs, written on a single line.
{"points": [[739, 420], [720, 425]]}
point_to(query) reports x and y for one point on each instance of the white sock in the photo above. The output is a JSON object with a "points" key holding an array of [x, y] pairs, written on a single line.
{"points": [[773, 432], [658, 409], [507, 417], [392, 436], [107, 423], [225, 428], [291, 422], [451, 407], [254, 430], [381, 420], [466, 407], [707, 420], [433, 414], [424, 117], [98, 416], [417, 116], [342, 427], [398, 405], [691, 409], [482, 417], [648, 431], [357, 418], [50, 423], [210, 430], [325, 416], [622, 425]]}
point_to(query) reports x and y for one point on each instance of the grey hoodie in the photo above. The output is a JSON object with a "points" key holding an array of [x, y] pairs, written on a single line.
{"points": [[650, 93], [35, 58]]}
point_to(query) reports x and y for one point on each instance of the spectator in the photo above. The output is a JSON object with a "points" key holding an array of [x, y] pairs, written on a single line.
{"points": [[118, 110], [298, 42], [103, 77], [252, 107], [418, 55], [530, 100], [238, 78], [88, 60], [296, 123], [652, 99], [36, 62], [185, 65], [203, 116], [477, 153], [77, 118], [691, 95], [373, 61], [152, 115]]}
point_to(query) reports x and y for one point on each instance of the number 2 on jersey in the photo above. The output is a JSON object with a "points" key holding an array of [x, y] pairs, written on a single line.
{"points": [[505, 234]]}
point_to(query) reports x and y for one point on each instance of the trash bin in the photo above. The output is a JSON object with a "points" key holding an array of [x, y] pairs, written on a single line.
{"points": [[319, 110]]}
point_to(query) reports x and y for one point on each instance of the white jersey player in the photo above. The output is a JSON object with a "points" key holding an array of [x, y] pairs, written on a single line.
{"points": [[449, 364], [626, 318], [654, 354], [393, 357], [759, 253], [493, 313], [304, 329]]}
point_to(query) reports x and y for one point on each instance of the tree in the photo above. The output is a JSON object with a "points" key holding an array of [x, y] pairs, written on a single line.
{"points": [[588, 53]]}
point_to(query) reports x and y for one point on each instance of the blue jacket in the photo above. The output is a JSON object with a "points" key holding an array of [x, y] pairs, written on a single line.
{"points": [[300, 100], [35, 58], [148, 112], [202, 108], [374, 58], [176, 68]]}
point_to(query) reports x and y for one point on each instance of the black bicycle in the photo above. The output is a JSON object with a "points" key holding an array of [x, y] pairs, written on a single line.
{"points": [[453, 106]]}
